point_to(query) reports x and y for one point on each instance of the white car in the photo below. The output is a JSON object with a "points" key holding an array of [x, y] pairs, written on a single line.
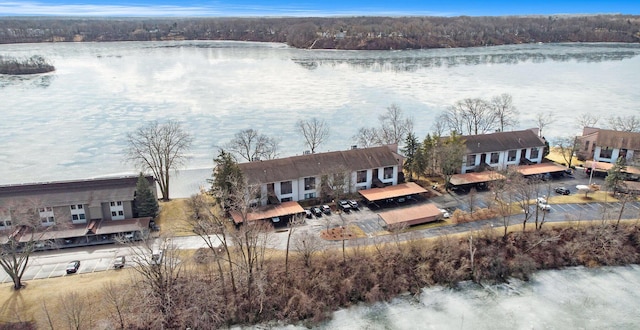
{"points": [[541, 200], [445, 213], [544, 206]]}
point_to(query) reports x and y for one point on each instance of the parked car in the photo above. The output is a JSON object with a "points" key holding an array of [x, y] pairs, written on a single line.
{"points": [[562, 191], [544, 206], [445, 213], [541, 200], [326, 209], [119, 262], [308, 214], [316, 211], [344, 205], [353, 204], [73, 266]]}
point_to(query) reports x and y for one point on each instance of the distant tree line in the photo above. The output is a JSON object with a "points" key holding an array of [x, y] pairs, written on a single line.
{"points": [[361, 33]]}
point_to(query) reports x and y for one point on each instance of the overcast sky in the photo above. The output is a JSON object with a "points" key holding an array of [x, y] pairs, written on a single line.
{"points": [[312, 8]]}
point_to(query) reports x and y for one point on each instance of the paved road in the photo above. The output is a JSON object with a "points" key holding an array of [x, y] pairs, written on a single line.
{"points": [[47, 264]]}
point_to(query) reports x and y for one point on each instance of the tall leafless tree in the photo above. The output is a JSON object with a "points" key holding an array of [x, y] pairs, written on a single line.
{"points": [[307, 244], [77, 311], [543, 119], [586, 120], [159, 148], [567, 146], [629, 123], [159, 275], [207, 220], [470, 117], [394, 126], [314, 131], [367, 137], [505, 112], [251, 145], [116, 299]]}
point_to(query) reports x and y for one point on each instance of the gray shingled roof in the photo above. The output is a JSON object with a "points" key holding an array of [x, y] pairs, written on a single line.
{"points": [[90, 192], [290, 168], [501, 141], [618, 139]]}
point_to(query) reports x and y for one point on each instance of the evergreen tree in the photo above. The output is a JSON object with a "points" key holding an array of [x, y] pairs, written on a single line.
{"points": [[450, 152], [411, 146], [226, 177], [145, 203], [615, 176]]}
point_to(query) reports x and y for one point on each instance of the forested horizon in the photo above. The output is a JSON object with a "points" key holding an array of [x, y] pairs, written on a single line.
{"points": [[353, 33]]}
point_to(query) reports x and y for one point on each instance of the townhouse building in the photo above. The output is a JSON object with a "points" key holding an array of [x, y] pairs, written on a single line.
{"points": [[308, 176], [501, 150], [79, 208], [603, 145]]}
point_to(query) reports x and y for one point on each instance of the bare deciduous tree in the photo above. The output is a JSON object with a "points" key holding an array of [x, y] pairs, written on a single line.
{"points": [[470, 117], [394, 126], [335, 182], [624, 123], [393, 129], [543, 119], [251, 145], [586, 120], [160, 148], [159, 275], [367, 137], [505, 111], [314, 131], [77, 311], [19, 242], [567, 146], [307, 244], [116, 300]]}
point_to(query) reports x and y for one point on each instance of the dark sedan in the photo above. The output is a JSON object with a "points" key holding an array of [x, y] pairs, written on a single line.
{"points": [[562, 191], [73, 266], [316, 211]]}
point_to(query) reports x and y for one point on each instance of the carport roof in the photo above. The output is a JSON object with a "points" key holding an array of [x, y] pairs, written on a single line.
{"points": [[475, 177], [403, 189], [121, 226], [540, 168], [428, 211], [602, 166], [79, 230], [270, 211]]}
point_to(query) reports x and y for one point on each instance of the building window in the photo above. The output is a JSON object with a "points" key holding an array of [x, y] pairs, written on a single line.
{"points": [[286, 187], [46, 216], [361, 176], [310, 195], [117, 210], [309, 183], [495, 158], [77, 213], [288, 199], [606, 152], [388, 172], [512, 155], [471, 160], [586, 145], [535, 152]]}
